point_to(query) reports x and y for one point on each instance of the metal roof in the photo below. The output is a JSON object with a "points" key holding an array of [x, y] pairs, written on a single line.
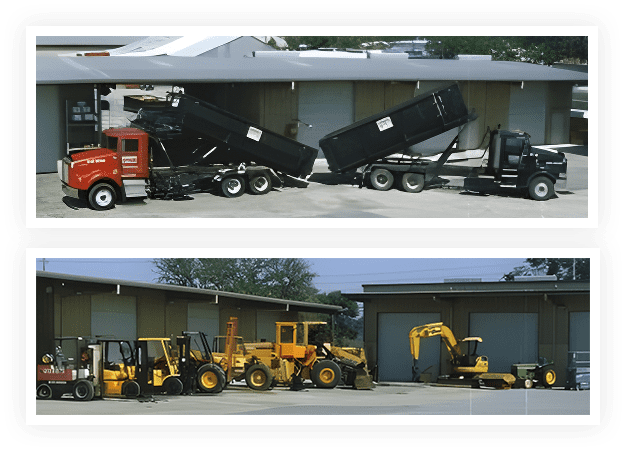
{"points": [[52, 69], [472, 289], [301, 305]]}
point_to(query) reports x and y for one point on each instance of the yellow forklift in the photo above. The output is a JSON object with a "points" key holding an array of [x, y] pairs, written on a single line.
{"points": [[93, 368]]}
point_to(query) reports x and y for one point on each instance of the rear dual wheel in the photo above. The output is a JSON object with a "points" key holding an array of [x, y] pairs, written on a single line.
{"points": [[260, 185], [233, 186], [412, 182]]}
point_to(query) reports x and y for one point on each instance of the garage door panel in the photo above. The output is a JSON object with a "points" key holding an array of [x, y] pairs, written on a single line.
{"points": [[508, 338], [114, 316], [394, 358], [204, 317], [579, 331]]}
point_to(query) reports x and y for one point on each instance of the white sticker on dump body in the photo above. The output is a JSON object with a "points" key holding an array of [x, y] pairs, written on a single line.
{"points": [[385, 123], [254, 134]]}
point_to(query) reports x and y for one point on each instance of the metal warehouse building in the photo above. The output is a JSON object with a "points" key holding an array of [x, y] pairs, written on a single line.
{"points": [[283, 93], [69, 305], [519, 322]]}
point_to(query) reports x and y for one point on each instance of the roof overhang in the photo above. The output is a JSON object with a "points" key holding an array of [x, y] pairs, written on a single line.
{"points": [[478, 289], [52, 69], [302, 306]]}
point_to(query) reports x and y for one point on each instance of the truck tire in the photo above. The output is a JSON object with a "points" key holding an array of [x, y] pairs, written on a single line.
{"points": [[233, 186], [541, 188], [83, 390], [44, 392], [210, 378], [326, 374], [381, 179], [548, 378], [412, 182], [101, 197], [258, 377], [260, 185]]}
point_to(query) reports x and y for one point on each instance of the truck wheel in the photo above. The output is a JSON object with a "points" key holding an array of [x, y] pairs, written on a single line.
{"points": [[326, 374], [412, 182], [381, 179], [260, 185], [101, 197], [541, 188], [44, 392], [83, 390], [210, 378], [173, 386], [233, 187], [258, 377]]}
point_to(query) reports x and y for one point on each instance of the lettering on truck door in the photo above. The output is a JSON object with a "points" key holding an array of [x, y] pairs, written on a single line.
{"points": [[130, 157]]}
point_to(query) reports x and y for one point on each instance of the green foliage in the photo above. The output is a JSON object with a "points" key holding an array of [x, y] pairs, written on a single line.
{"points": [[562, 268], [348, 324], [340, 42], [531, 49], [283, 278]]}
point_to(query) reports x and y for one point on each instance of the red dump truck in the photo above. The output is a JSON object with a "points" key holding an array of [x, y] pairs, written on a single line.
{"points": [[123, 167]]}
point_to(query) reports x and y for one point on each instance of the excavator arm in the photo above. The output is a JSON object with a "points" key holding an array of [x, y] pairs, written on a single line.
{"points": [[430, 330]]}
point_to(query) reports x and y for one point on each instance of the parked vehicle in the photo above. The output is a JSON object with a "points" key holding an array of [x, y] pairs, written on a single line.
{"points": [[379, 147], [251, 157]]}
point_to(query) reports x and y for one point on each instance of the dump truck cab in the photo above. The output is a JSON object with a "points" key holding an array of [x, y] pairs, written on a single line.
{"points": [[101, 175]]}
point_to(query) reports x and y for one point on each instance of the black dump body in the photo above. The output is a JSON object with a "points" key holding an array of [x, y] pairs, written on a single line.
{"points": [[245, 141], [394, 130]]}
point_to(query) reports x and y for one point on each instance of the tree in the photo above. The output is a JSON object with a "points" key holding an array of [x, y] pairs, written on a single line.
{"points": [[531, 49], [284, 278], [562, 268], [348, 323], [339, 42]]}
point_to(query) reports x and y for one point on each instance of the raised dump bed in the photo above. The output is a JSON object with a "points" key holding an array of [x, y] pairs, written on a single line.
{"points": [[245, 141], [396, 129]]}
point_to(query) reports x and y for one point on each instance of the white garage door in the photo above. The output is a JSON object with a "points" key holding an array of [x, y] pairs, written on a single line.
{"points": [[204, 317], [394, 357], [579, 331], [327, 106], [113, 316], [508, 338]]}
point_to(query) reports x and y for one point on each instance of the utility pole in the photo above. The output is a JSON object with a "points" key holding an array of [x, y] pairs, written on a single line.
{"points": [[43, 262]]}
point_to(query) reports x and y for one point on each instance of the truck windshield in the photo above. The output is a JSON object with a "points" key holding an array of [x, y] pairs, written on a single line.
{"points": [[111, 143]]}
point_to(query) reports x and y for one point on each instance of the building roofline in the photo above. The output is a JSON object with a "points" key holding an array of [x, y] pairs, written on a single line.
{"points": [[51, 70], [471, 289], [189, 290]]}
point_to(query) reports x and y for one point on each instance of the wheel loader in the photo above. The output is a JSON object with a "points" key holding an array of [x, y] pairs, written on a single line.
{"points": [[299, 353], [468, 369]]}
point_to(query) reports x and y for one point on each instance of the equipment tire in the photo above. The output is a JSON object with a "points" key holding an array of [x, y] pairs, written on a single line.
{"points": [[210, 378], [541, 188], [528, 384], [173, 386], [381, 179], [326, 374], [412, 182], [83, 390], [131, 389], [233, 186], [258, 377], [101, 197], [549, 377], [260, 185], [44, 392]]}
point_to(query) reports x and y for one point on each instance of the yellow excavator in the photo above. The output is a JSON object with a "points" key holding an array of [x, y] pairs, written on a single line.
{"points": [[468, 369]]}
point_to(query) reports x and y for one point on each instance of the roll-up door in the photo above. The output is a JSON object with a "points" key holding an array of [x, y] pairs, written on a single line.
{"points": [[113, 316], [508, 338], [327, 106], [204, 317], [394, 358], [579, 331], [266, 325]]}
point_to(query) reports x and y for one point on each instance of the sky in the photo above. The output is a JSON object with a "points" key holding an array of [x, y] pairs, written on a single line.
{"points": [[344, 274]]}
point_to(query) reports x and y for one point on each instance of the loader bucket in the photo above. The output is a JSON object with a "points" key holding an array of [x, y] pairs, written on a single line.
{"points": [[363, 380]]}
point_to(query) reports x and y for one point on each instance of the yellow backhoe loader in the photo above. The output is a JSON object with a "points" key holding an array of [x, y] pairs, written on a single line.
{"points": [[468, 369], [299, 353]]}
